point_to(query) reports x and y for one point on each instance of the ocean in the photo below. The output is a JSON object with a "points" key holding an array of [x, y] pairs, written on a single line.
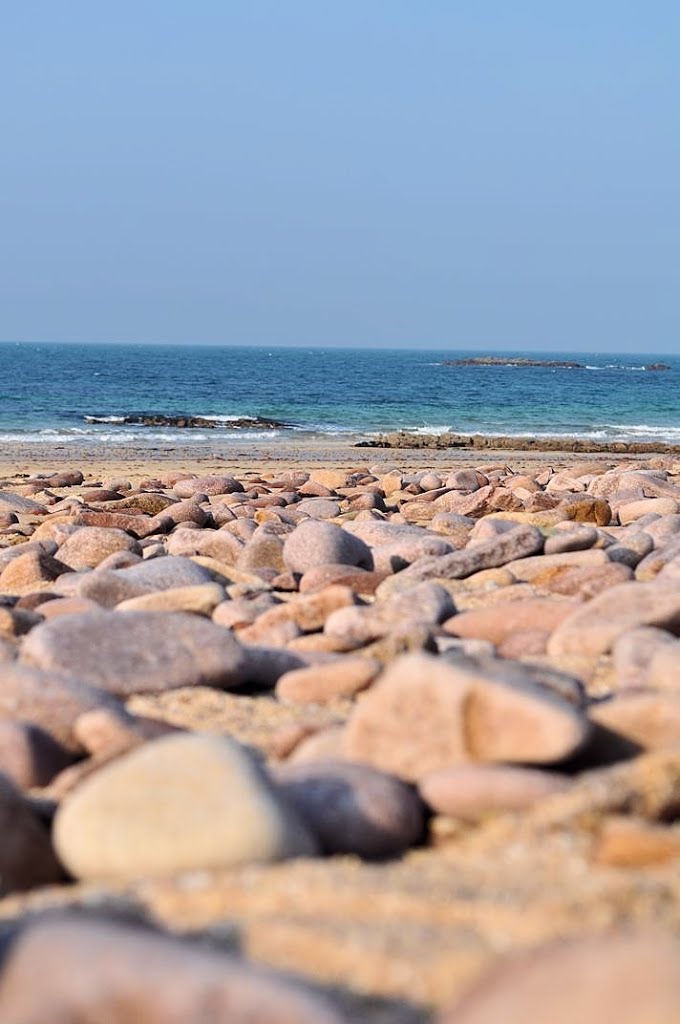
{"points": [[74, 392]]}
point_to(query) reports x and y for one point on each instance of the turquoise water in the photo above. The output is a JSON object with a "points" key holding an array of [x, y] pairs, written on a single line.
{"points": [[48, 390]]}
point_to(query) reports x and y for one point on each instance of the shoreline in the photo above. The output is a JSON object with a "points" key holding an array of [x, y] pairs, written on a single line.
{"points": [[97, 460]]}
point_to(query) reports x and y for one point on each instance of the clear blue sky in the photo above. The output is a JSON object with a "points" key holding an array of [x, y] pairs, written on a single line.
{"points": [[369, 172]]}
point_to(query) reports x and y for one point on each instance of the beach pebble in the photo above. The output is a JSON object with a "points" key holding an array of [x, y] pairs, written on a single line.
{"points": [[655, 562], [201, 599], [206, 485], [26, 856], [474, 792], [110, 971], [30, 571], [593, 629], [12, 502], [319, 508], [633, 655], [90, 545], [424, 714], [29, 756], [664, 667], [52, 701], [650, 720], [264, 550], [518, 543], [137, 652], [579, 538], [14, 622], [352, 808], [633, 510], [584, 582], [391, 558], [319, 684], [628, 977], [115, 826], [500, 622], [360, 581], [314, 543], [223, 545], [331, 478], [108, 587]]}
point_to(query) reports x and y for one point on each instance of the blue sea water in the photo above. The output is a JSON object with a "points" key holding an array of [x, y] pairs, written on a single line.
{"points": [[48, 392]]}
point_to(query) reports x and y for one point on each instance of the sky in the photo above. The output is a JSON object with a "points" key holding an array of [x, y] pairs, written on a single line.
{"points": [[435, 173]]}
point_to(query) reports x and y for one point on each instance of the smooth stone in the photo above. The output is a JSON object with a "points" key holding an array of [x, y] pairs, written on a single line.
{"points": [[109, 587], [360, 581], [314, 542], [137, 652], [331, 478], [630, 977], [425, 713], [518, 543], [582, 582], [319, 508], [474, 792], [664, 667], [633, 656], [209, 485], [593, 629], [218, 810], [31, 571], [90, 545], [633, 510], [576, 539], [67, 606], [392, 558], [102, 731], [262, 551], [200, 599], [425, 603], [319, 684], [52, 701], [536, 568], [649, 719], [654, 563], [8, 649], [107, 971], [220, 544], [352, 808], [15, 622], [29, 756], [10, 502], [26, 856], [499, 622]]}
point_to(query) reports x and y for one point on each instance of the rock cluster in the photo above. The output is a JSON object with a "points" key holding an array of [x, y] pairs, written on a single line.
{"points": [[460, 650]]}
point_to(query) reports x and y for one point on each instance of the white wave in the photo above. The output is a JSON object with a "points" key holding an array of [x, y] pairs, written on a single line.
{"points": [[141, 436], [104, 419], [644, 429], [430, 430]]}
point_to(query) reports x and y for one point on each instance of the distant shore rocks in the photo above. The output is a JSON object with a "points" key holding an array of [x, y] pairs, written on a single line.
{"points": [[561, 364], [407, 439], [189, 422], [554, 364]]}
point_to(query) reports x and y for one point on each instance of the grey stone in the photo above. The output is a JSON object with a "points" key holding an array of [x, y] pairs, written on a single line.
{"points": [[314, 542], [353, 808], [137, 652]]}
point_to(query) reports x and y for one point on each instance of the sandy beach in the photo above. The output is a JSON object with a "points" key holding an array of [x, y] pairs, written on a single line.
{"points": [[98, 461], [551, 818]]}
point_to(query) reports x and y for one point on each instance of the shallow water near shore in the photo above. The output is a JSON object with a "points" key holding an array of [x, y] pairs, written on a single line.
{"points": [[81, 394]]}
